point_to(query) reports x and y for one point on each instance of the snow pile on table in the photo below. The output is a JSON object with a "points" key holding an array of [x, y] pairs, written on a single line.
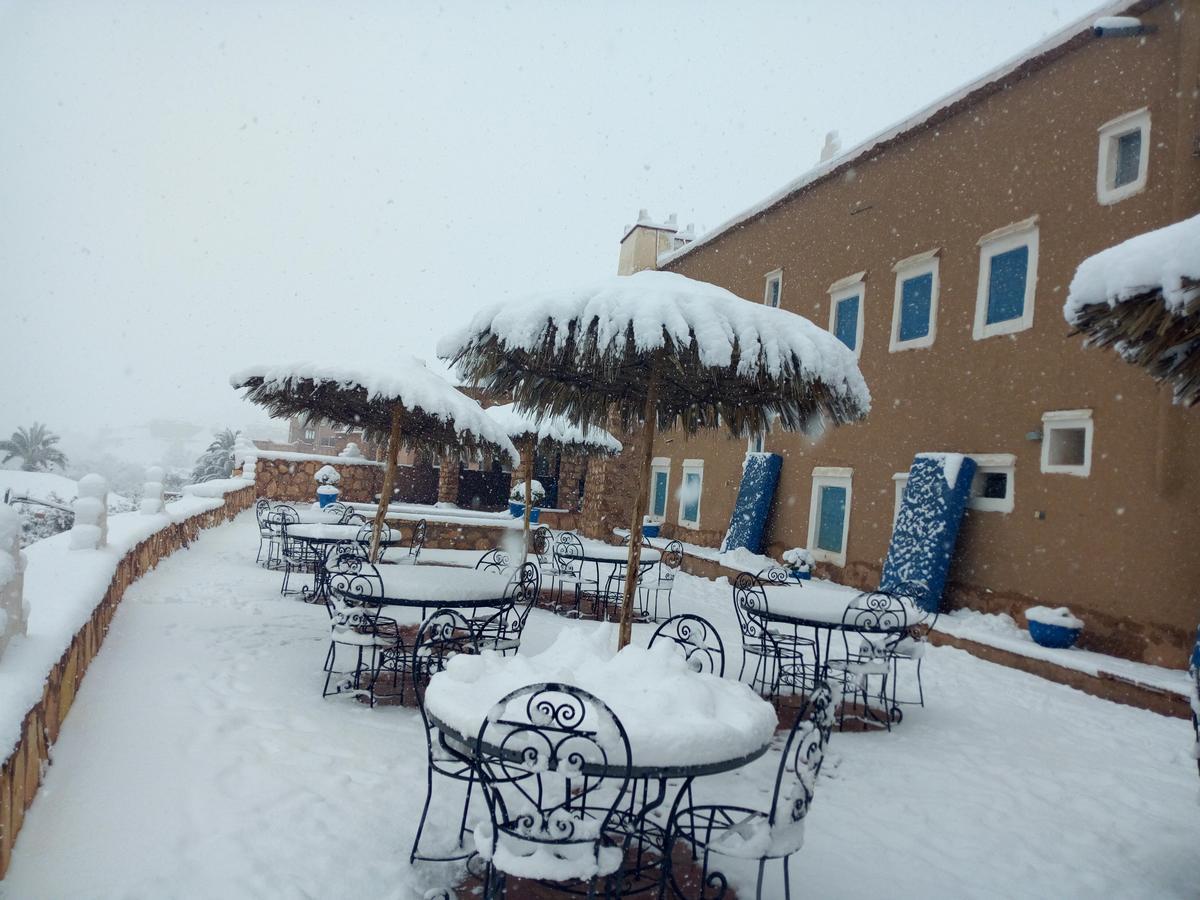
{"points": [[1167, 259], [62, 588], [406, 380], [710, 719], [653, 308], [1059, 616], [558, 429]]}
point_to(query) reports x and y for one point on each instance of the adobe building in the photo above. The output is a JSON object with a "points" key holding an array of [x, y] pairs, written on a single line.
{"points": [[941, 251]]}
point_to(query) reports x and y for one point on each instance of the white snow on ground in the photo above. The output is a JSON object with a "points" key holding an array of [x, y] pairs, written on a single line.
{"points": [[44, 485], [201, 761]]}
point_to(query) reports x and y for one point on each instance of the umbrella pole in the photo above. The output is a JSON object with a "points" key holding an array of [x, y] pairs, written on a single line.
{"points": [[530, 450], [389, 481], [650, 414]]}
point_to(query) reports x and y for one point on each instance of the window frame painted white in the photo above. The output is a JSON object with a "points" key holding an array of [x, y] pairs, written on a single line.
{"points": [[776, 276], [994, 462], [310, 435], [899, 483], [1025, 233], [844, 289], [659, 464], [1068, 420], [829, 476], [688, 466], [1110, 133], [927, 263]]}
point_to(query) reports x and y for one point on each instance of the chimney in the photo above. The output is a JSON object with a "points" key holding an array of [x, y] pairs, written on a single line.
{"points": [[645, 241], [833, 146]]}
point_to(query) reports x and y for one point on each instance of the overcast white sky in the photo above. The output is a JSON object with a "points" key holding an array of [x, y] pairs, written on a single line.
{"points": [[188, 188]]}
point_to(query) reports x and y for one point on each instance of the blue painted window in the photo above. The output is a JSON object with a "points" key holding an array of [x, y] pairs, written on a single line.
{"points": [[1129, 158], [1006, 285], [691, 502], [831, 512], [845, 325], [773, 287], [660, 494], [916, 300]]}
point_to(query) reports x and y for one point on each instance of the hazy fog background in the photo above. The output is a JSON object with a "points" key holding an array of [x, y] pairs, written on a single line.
{"points": [[188, 188]]}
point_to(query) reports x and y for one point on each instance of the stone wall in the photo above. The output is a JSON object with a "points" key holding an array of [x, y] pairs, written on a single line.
{"points": [[290, 479], [21, 772]]}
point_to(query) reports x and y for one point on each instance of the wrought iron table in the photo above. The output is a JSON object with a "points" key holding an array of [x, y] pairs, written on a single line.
{"points": [[618, 558], [428, 587], [323, 541]]}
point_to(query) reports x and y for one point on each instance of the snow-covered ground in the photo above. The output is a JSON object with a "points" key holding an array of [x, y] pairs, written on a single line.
{"points": [[200, 761]]}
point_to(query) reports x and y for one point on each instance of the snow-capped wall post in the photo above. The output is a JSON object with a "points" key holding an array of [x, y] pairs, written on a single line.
{"points": [[152, 492], [14, 612], [90, 531], [245, 457]]}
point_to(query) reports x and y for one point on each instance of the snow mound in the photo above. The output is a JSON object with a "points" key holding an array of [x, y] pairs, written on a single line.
{"points": [[1059, 615]]}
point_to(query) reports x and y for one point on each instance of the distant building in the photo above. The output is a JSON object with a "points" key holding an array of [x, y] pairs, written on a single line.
{"points": [[940, 251]]}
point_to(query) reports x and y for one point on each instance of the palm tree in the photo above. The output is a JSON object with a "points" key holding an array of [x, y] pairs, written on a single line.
{"points": [[217, 460], [35, 447]]}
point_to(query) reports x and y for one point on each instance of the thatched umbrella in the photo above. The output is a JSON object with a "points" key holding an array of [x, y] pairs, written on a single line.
{"points": [[529, 431], [662, 351], [1142, 298], [405, 404]]}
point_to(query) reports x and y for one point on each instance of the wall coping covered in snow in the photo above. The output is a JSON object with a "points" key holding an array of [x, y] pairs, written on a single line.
{"points": [[293, 456], [72, 596]]}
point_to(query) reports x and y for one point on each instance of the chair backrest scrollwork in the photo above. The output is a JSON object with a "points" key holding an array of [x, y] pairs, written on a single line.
{"points": [[697, 638], [803, 754]]}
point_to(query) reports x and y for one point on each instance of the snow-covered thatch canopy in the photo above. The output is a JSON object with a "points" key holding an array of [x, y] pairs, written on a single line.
{"points": [[434, 414], [716, 358], [555, 431], [1142, 298]]}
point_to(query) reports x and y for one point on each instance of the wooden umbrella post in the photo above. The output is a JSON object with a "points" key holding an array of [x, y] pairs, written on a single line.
{"points": [[389, 480], [650, 415], [530, 450]]}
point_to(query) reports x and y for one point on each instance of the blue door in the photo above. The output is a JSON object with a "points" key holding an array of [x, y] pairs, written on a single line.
{"points": [[832, 514]]}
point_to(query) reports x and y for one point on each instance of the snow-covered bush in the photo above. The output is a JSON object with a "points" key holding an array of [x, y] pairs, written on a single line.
{"points": [[799, 559], [90, 530], [39, 522], [538, 493], [327, 475]]}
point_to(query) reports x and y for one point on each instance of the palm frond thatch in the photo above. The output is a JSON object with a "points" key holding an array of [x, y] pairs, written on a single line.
{"points": [[552, 433], [1162, 338]]}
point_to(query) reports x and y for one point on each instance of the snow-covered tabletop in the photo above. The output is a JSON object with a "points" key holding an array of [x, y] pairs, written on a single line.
{"points": [[816, 604], [597, 552], [679, 722], [319, 532], [448, 586]]}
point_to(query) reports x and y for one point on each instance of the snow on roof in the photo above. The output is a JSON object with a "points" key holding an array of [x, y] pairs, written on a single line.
{"points": [[404, 379], [826, 169], [1166, 259], [656, 306], [551, 428]]}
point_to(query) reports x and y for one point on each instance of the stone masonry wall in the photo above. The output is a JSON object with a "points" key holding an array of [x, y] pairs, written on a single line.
{"points": [[21, 773], [289, 479]]}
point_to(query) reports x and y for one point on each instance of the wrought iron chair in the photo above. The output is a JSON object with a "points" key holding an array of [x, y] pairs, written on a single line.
{"points": [[780, 657], [373, 641], [658, 583], [296, 556], [366, 532], [748, 833], [501, 630], [416, 543], [555, 763], [697, 639], [569, 572], [337, 509], [442, 635], [541, 541], [267, 536], [495, 560], [912, 646], [352, 518], [877, 621]]}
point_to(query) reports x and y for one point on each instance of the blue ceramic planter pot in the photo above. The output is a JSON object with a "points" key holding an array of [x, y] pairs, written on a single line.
{"points": [[651, 531], [801, 576], [517, 511], [1054, 636], [325, 499]]}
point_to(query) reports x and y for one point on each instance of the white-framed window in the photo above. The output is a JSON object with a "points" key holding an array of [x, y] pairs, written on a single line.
{"points": [[757, 443], [994, 483], [914, 310], [1067, 442], [773, 291], [829, 514], [690, 490], [846, 298], [899, 482], [660, 484], [310, 434], [1007, 279], [1124, 159]]}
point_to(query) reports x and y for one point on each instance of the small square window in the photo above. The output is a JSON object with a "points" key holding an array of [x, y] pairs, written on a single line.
{"points": [[1067, 442], [846, 311], [774, 288], [829, 514], [1124, 159], [1007, 280], [310, 434], [914, 316], [992, 486]]}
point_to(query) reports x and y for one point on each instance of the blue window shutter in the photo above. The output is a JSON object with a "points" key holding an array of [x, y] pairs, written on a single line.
{"points": [[1006, 285], [1129, 158], [660, 493], [691, 509], [845, 325], [831, 518], [916, 298]]}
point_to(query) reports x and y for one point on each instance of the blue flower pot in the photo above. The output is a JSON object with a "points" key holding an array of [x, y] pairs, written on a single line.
{"points": [[517, 511], [651, 531], [326, 499], [1054, 636], [801, 576]]}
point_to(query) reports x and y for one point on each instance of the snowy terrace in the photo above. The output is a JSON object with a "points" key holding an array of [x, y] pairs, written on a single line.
{"points": [[200, 760]]}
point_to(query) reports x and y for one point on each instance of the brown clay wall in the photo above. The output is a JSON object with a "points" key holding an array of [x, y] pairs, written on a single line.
{"points": [[292, 480], [21, 772], [1117, 546]]}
